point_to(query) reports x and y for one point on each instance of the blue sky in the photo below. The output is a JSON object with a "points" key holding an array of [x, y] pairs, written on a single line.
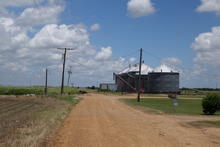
{"points": [[181, 34], [168, 32]]}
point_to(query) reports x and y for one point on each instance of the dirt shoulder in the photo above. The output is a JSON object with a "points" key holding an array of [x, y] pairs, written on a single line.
{"points": [[104, 121]]}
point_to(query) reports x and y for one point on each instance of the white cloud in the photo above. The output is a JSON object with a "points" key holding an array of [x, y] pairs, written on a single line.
{"points": [[104, 54], [95, 27], [26, 55], [209, 6], [25, 3], [39, 16], [17, 3], [29, 40], [164, 68], [171, 61], [139, 8], [12, 35], [52, 36], [207, 47], [132, 59]]}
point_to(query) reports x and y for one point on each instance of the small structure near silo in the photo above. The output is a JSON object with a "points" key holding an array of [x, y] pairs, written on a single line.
{"points": [[151, 81], [108, 86]]}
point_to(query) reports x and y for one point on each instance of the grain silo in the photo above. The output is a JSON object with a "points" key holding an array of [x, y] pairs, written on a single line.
{"points": [[151, 82], [163, 82]]}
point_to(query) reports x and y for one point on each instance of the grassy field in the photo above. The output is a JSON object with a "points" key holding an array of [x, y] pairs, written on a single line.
{"points": [[37, 90], [28, 121], [205, 123], [147, 95], [185, 106]]}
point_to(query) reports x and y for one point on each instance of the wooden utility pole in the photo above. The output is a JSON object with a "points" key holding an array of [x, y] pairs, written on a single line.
{"points": [[64, 63], [45, 89], [139, 78]]}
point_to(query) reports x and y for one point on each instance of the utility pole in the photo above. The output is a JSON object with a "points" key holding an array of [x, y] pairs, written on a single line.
{"points": [[69, 73], [45, 89], [64, 63], [139, 78]]}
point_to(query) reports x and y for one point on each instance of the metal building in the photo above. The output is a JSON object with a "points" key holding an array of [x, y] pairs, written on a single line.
{"points": [[151, 82], [108, 86]]}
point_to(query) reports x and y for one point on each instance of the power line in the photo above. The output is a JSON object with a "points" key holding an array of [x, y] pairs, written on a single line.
{"points": [[79, 63], [160, 58], [134, 52]]}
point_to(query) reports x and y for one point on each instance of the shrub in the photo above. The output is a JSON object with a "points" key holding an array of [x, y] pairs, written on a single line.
{"points": [[211, 103]]}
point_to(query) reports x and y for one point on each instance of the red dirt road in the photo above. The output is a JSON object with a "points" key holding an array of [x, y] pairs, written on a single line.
{"points": [[103, 121]]}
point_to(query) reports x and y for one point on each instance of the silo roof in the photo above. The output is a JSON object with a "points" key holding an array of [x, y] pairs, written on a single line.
{"points": [[146, 69]]}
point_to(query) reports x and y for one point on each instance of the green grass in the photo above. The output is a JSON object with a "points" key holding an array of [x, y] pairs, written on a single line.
{"points": [[70, 99], [37, 90], [205, 123], [185, 106], [154, 95], [191, 96]]}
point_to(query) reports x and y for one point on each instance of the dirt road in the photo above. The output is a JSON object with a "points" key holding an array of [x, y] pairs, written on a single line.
{"points": [[103, 121]]}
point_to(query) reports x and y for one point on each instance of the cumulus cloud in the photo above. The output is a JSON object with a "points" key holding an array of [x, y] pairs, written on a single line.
{"points": [[207, 50], [132, 59], [171, 61], [139, 8], [25, 3], [21, 52], [95, 27], [207, 47], [53, 35], [18, 3], [104, 54], [209, 6], [12, 35], [24, 55], [39, 16]]}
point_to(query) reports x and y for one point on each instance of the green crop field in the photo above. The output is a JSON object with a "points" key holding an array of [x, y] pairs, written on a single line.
{"points": [[37, 90], [185, 106]]}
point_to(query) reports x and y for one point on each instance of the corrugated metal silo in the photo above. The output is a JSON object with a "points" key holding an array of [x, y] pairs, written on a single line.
{"points": [[163, 82]]}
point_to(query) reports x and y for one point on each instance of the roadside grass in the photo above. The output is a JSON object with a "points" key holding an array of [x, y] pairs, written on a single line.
{"points": [[70, 99], [37, 90], [110, 92], [30, 121], [166, 96], [191, 96], [147, 95], [154, 95], [205, 123], [185, 106]]}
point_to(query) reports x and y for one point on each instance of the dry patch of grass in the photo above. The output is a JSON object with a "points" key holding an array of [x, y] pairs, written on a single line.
{"points": [[28, 121]]}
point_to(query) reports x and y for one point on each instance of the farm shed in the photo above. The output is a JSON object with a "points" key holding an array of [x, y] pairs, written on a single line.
{"points": [[108, 86], [151, 81]]}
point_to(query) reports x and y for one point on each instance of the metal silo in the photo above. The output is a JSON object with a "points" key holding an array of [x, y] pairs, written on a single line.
{"points": [[163, 82]]}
